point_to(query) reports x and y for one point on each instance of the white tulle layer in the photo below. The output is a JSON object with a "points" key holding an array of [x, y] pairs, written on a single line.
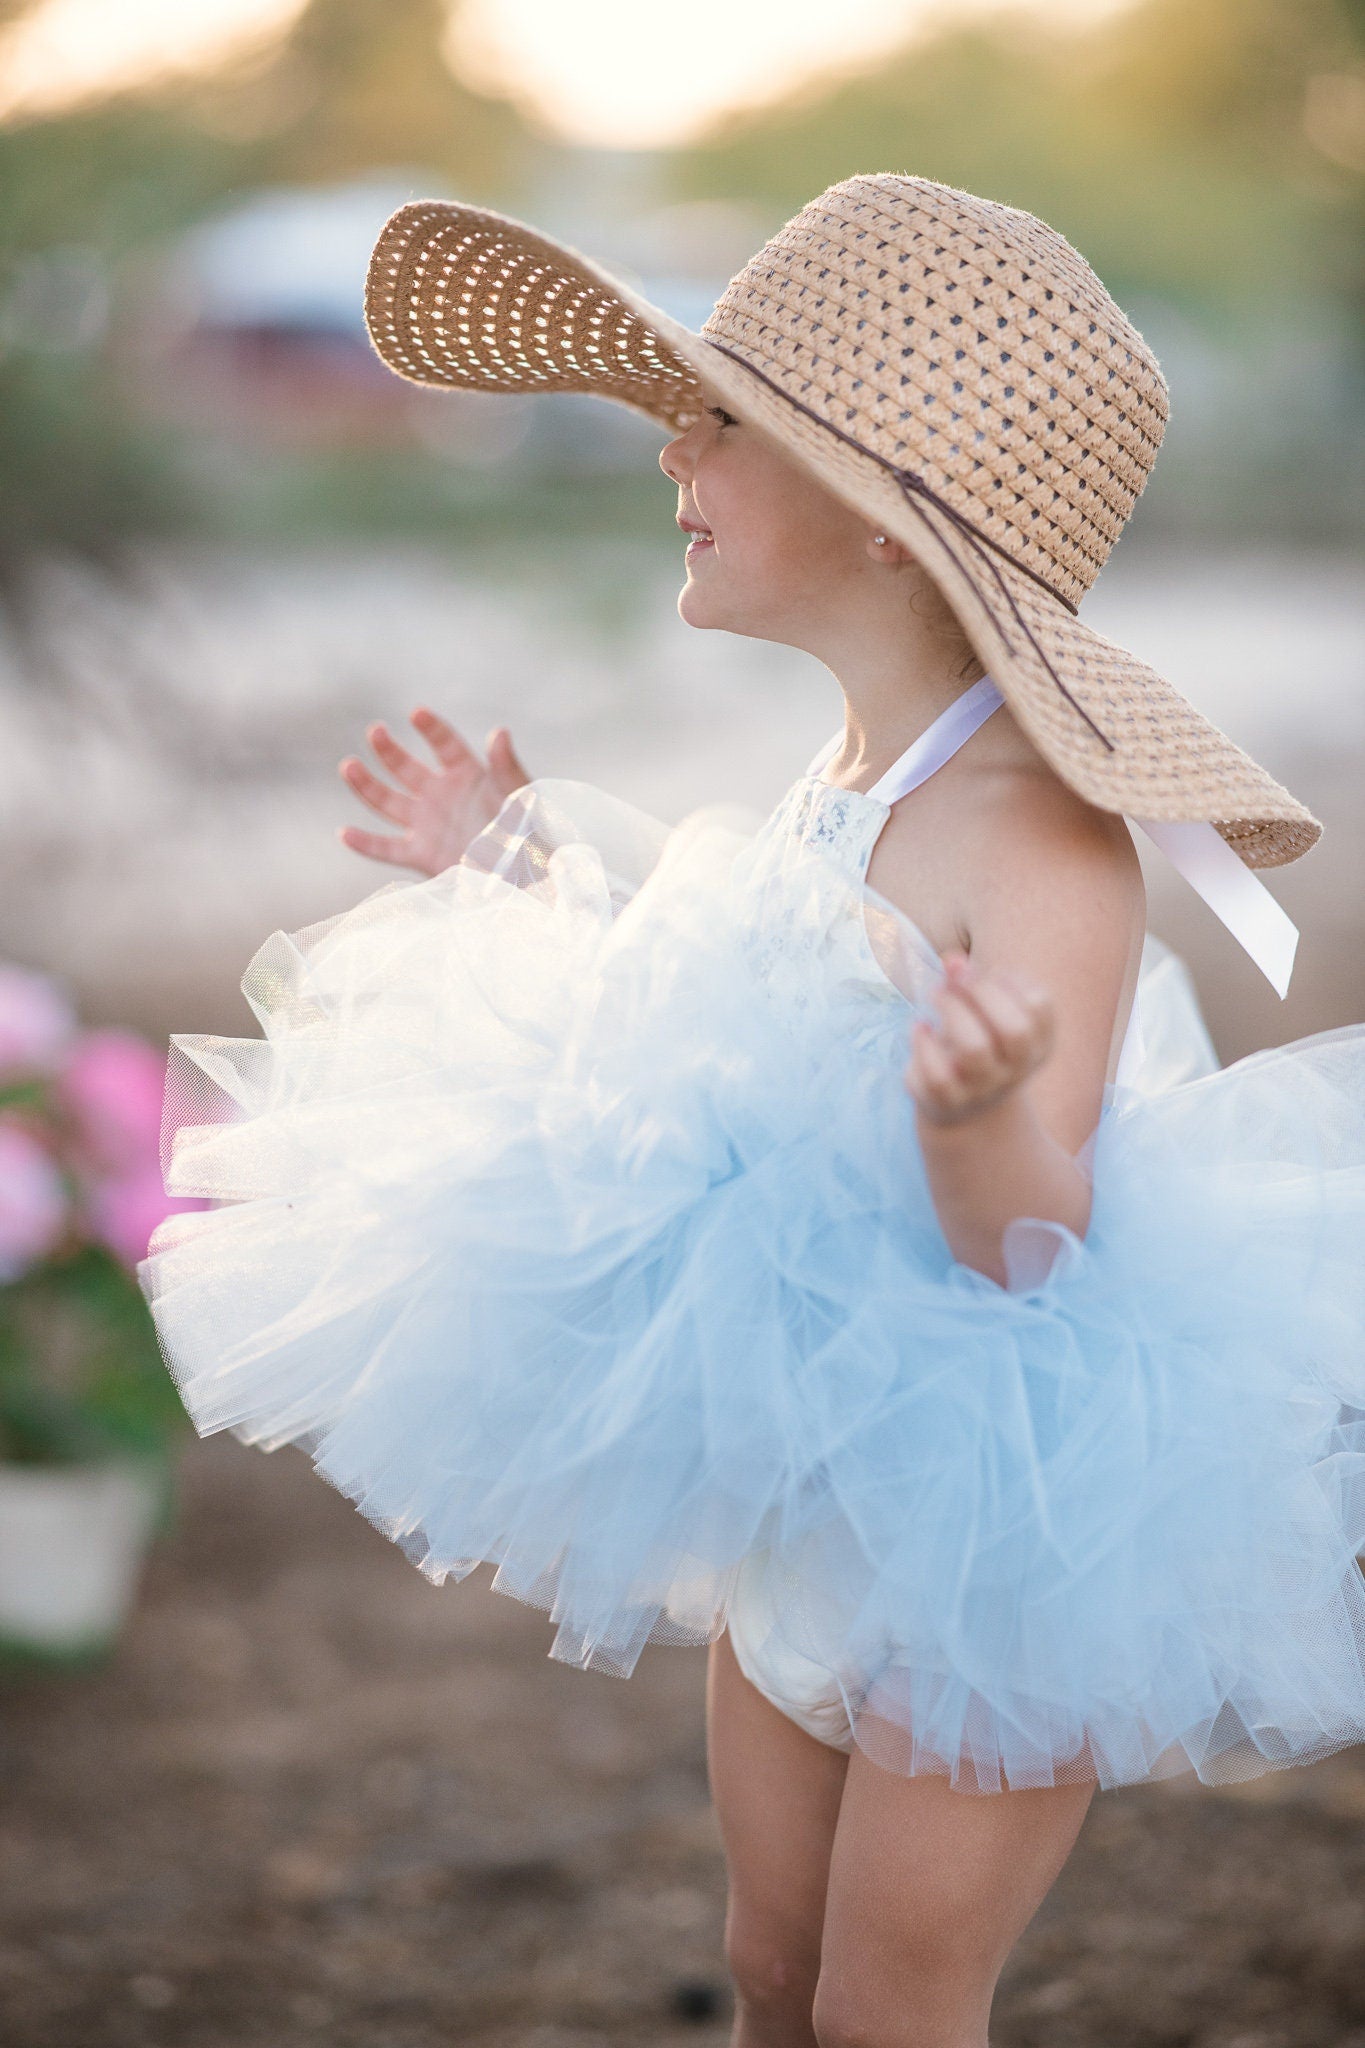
{"points": [[572, 1218]]}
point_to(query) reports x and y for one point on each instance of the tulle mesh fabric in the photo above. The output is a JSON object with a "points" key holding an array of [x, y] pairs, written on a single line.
{"points": [[569, 1213]]}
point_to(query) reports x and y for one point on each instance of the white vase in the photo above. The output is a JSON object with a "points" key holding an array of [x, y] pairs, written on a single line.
{"points": [[72, 1541]]}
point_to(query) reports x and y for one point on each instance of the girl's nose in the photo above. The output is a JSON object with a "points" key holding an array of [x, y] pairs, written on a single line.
{"points": [[673, 459]]}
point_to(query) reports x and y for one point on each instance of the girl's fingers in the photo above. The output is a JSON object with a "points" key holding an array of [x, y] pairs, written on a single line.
{"points": [[402, 765], [377, 845], [390, 803], [964, 1032], [445, 743], [1025, 990], [508, 769], [1001, 1004], [929, 1076], [997, 1020]]}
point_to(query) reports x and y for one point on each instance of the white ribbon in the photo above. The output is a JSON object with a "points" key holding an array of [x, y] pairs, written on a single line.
{"points": [[1236, 896]]}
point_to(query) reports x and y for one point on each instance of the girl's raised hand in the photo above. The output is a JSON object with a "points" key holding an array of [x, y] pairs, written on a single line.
{"points": [[993, 1030], [438, 810]]}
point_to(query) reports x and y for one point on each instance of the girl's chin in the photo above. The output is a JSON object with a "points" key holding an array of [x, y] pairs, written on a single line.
{"points": [[697, 607]]}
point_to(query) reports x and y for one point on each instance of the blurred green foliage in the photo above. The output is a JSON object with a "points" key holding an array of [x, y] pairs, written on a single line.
{"points": [[1168, 142], [351, 85], [354, 84], [91, 188], [81, 1375]]}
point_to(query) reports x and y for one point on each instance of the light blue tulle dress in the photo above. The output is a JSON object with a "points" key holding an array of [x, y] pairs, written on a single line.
{"points": [[570, 1214]]}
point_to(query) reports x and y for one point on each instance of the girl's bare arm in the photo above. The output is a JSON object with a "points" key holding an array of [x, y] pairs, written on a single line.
{"points": [[988, 1155], [438, 809], [1008, 1078]]}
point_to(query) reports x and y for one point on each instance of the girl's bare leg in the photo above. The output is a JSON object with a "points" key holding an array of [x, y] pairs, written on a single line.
{"points": [[929, 1889], [776, 1792]]}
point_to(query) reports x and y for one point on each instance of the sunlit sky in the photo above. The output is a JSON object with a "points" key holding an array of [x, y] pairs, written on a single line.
{"points": [[617, 73]]}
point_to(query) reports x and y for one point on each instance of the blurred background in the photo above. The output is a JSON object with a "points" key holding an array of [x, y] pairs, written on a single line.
{"points": [[290, 1792]]}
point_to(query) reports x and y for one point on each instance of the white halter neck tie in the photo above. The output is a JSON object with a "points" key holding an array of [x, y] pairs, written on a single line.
{"points": [[939, 740], [1195, 848]]}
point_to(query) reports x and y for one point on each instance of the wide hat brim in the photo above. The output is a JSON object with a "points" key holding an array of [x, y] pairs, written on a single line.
{"points": [[467, 299]]}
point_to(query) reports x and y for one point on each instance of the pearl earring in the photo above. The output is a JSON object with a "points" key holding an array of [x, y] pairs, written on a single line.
{"points": [[879, 540]]}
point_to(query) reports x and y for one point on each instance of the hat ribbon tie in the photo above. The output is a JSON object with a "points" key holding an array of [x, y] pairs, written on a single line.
{"points": [[1236, 896]]}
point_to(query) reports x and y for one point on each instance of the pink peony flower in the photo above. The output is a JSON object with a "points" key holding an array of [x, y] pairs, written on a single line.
{"points": [[32, 1200], [124, 1210], [36, 1021], [112, 1085]]}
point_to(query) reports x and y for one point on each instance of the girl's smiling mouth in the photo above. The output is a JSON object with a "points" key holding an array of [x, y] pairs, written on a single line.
{"points": [[700, 538]]}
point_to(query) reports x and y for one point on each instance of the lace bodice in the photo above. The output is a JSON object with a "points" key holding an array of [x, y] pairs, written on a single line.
{"points": [[833, 923], [816, 925], [844, 822]]}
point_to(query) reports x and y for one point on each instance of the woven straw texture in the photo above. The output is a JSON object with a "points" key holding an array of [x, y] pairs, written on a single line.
{"points": [[950, 367]]}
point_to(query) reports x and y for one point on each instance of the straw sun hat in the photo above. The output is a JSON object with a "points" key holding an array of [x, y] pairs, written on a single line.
{"points": [[946, 365]]}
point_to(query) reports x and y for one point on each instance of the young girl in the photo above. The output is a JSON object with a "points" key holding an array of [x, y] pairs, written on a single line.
{"points": [[790, 1233]]}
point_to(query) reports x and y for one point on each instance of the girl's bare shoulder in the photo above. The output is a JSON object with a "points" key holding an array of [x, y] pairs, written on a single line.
{"points": [[1007, 846]]}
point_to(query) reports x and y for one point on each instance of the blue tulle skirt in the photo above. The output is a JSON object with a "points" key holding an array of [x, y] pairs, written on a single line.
{"points": [[570, 1214]]}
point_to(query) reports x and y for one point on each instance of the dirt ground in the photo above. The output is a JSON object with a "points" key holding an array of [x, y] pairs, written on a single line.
{"points": [[314, 1799]]}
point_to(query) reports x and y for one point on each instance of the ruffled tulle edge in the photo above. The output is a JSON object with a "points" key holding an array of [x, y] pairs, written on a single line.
{"points": [[1223, 1751]]}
